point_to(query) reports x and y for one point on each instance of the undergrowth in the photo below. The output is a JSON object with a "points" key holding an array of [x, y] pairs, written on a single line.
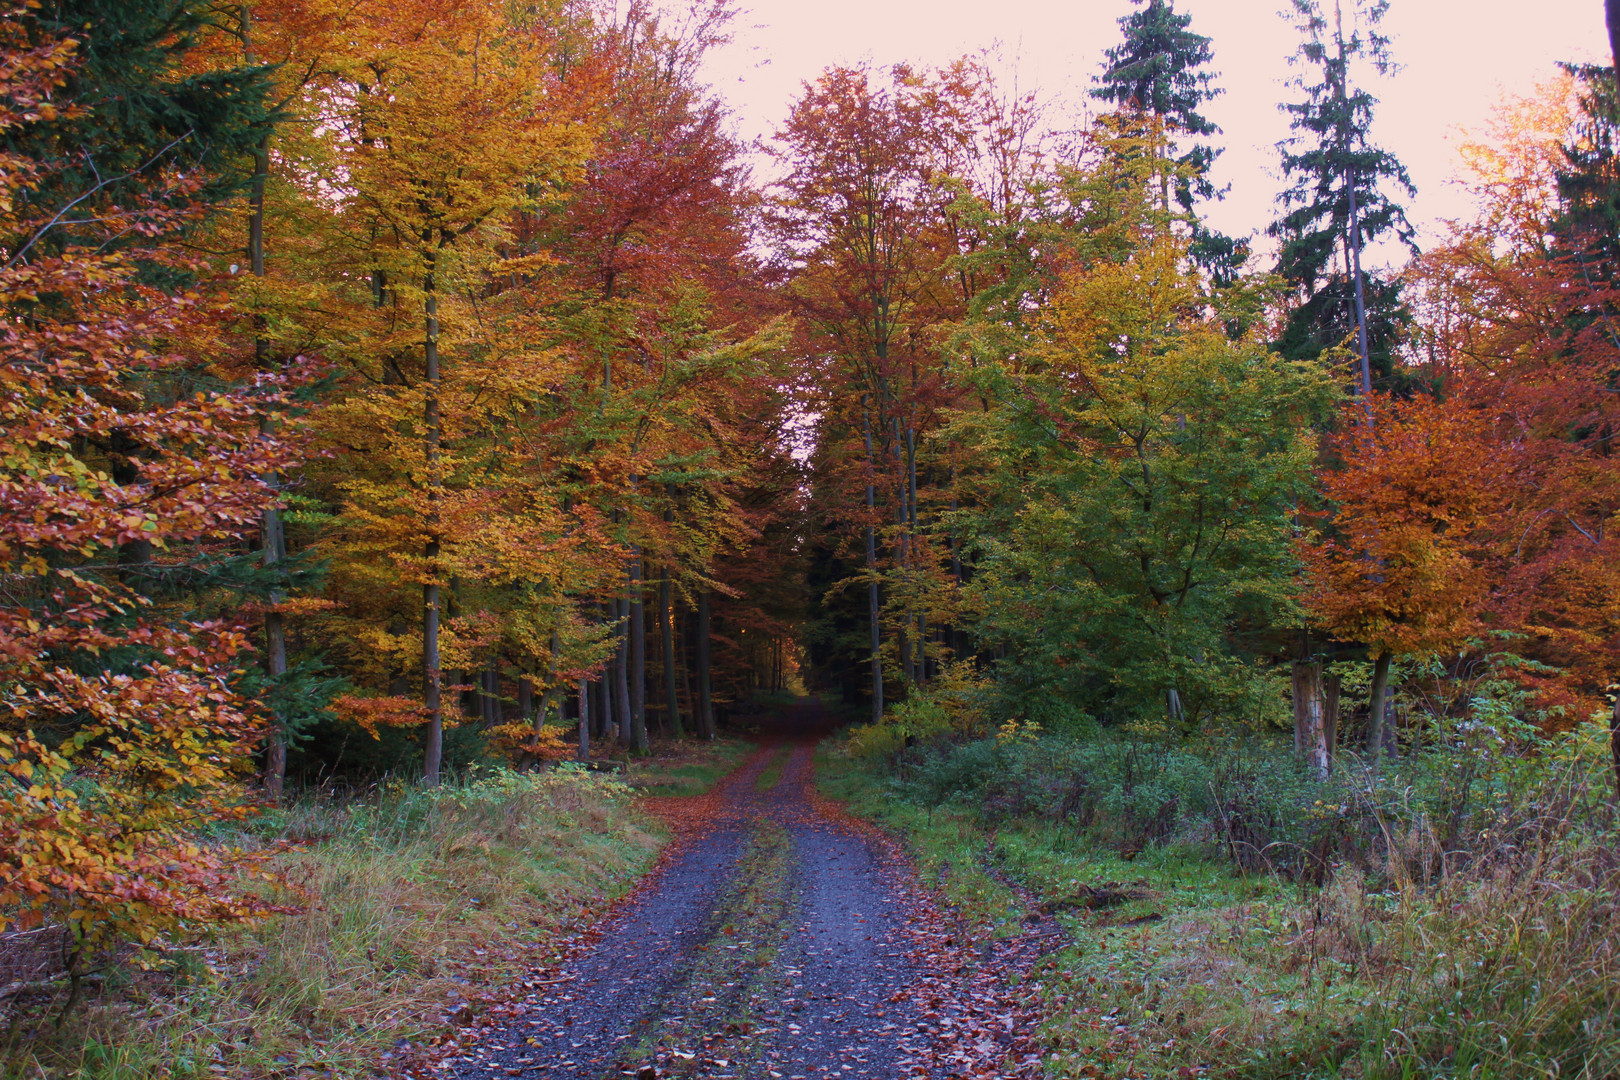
{"points": [[1452, 915], [406, 904], [685, 768]]}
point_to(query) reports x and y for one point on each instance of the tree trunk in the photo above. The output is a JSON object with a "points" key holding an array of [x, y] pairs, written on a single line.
{"points": [[1377, 717], [1353, 243], [688, 664], [275, 655], [525, 697], [1330, 715], [666, 629], [621, 673], [584, 719], [1611, 14], [602, 687], [490, 706], [902, 637], [704, 649], [638, 658], [874, 607], [1310, 720], [1392, 733], [1614, 736], [921, 664], [433, 751]]}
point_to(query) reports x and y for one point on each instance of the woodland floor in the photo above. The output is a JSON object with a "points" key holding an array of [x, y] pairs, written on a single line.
{"points": [[778, 938]]}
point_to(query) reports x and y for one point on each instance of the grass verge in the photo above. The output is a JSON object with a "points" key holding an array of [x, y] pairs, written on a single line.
{"points": [[409, 903], [1492, 957], [685, 768]]}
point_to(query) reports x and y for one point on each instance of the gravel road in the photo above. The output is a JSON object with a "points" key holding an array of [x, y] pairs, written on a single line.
{"points": [[773, 943]]}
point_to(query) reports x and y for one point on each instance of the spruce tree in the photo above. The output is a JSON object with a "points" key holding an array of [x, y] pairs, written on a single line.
{"points": [[1588, 224], [1337, 202], [141, 107], [1160, 70]]}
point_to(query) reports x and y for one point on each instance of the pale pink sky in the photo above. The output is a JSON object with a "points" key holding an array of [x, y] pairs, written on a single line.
{"points": [[1459, 58]]}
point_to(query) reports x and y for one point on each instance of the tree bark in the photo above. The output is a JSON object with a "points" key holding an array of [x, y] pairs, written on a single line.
{"points": [[433, 752], [621, 672], [489, 710], [921, 664], [874, 606], [275, 537], [1310, 720], [1330, 715], [1377, 717], [525, 697], [1614, 741], [584, 719], [275, 654], [666, 630], [704, 650], [1611, 15], [1353, 243], [638, 658]]}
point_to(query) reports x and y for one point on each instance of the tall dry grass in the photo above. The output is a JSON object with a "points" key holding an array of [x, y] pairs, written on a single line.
{"points": [[409, 901]]}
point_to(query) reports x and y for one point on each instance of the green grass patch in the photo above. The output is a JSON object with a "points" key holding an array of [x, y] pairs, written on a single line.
{"points": [[686, 768], [772, 773]]}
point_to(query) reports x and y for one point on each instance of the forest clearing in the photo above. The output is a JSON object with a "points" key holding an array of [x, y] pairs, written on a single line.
{"points": [[502, 574]]}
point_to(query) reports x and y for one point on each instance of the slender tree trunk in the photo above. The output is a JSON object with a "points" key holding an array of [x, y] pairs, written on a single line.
{"points": [[1377, 718], [874, 606], [688, 665], [666, 629], [638, 658], [705, 698], [1354, 245], [490, 707], [275, 537], [275, 650], [958, 637], [921, 664], [1614, 733], [525, 697], [1330, 715], [584, 719], [602, 686], [431, 678], [621, 673]]}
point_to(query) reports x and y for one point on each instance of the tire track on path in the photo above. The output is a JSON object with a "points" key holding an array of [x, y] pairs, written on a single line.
{"points": [[771, 945]]}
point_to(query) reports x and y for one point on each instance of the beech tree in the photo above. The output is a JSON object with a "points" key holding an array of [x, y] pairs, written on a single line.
{"points": [[123, 732], [450, 132], [1137, 502], [858, 229], [1400, 572]]}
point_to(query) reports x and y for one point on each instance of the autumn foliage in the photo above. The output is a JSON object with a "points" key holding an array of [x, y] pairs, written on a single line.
{"points": [[434, 383], [120, 732]]}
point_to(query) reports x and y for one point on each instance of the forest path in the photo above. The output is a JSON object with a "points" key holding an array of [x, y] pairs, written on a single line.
{"points": [[772, 943]]}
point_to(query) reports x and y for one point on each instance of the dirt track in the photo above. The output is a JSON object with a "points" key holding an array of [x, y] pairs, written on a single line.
{"points": [[773, 943]]}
